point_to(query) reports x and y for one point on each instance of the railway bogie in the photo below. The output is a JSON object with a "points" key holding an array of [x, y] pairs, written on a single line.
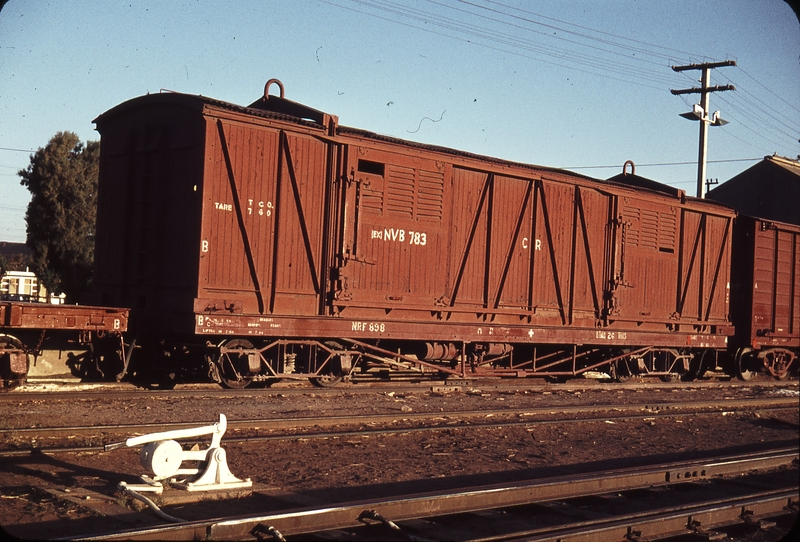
{"points": [[238, 363]]}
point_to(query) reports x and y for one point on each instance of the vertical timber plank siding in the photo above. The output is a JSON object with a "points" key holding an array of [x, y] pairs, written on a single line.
{"points": [[776, 285], [651, 263], [511, 249], [299, 208], [148, 210], [471, 195], [263, 218], [704, 276], [592, 228], [398, 212], [765, 286], [110, 231], [241, 168]]}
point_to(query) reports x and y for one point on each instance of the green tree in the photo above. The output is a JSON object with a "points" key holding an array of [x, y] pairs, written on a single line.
{"points": [[62, 180]]}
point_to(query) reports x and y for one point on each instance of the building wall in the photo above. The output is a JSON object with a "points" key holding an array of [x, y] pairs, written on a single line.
{"points": [[769, 189]]}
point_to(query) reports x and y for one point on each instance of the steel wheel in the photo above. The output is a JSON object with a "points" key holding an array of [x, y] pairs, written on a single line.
{"points": [[670, 377], [232, 364], [741, 364], [698, 365], [330, 363], [13, 371], [326, 381], [621, 370], [777, 363]]}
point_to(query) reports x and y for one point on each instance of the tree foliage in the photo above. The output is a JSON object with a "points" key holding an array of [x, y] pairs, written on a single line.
{"points": [[62, 180]]}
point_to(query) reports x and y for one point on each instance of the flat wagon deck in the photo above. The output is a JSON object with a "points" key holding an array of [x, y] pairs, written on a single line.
{"points": [[26, 327]]}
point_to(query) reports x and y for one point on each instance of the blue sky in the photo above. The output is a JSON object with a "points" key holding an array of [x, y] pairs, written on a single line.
{"points": [[574, 84]]}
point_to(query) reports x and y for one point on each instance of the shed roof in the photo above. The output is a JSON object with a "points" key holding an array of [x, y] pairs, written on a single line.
{"points": [[770, 189]]}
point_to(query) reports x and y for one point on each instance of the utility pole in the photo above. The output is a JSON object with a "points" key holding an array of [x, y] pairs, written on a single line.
{"points": [[700, 113]]}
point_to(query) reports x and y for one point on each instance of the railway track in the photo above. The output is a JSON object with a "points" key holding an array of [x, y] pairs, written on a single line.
{"points": [[69, 388], [316, 449], [254, 429], [642, 503]]}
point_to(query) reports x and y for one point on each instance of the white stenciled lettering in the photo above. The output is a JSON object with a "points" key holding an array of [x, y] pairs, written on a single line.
{"points": [[537, 243], [610, 335], [392, 234], [374, 327], [399, 235], [223, 206], [262, 208], [204, 246], [358, 326], [417, 238]]}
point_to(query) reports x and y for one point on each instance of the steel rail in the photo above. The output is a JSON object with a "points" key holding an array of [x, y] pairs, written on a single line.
{"points": [[425, 505], [534, 417], [127, 391], [726, 405], [699, 520]]}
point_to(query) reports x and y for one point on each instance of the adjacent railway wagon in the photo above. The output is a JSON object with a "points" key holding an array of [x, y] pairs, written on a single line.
{"points": [[267, 241], [27, 328], [765, 296]]}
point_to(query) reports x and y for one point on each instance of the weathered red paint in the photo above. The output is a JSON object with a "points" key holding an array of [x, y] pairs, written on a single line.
{"points": [[766, 284], [273, 221], [42, 316]]}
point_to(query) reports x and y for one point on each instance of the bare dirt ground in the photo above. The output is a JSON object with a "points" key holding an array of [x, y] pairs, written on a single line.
{"points": [[48, 496]]}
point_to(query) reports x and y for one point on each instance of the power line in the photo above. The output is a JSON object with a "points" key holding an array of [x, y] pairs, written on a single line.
{"points": [[577, 34], [753, 118], [762, 85], [662, 164], [500, 27], [616, 36], [549, 54], [729, 133]]}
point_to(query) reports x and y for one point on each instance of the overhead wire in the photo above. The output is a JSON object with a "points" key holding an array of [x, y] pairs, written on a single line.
{"points": [[577, 34], [763, 86], [612, 56], [555, 55], [756, 115], [753, 103], [662, 164], [749, 111]]}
